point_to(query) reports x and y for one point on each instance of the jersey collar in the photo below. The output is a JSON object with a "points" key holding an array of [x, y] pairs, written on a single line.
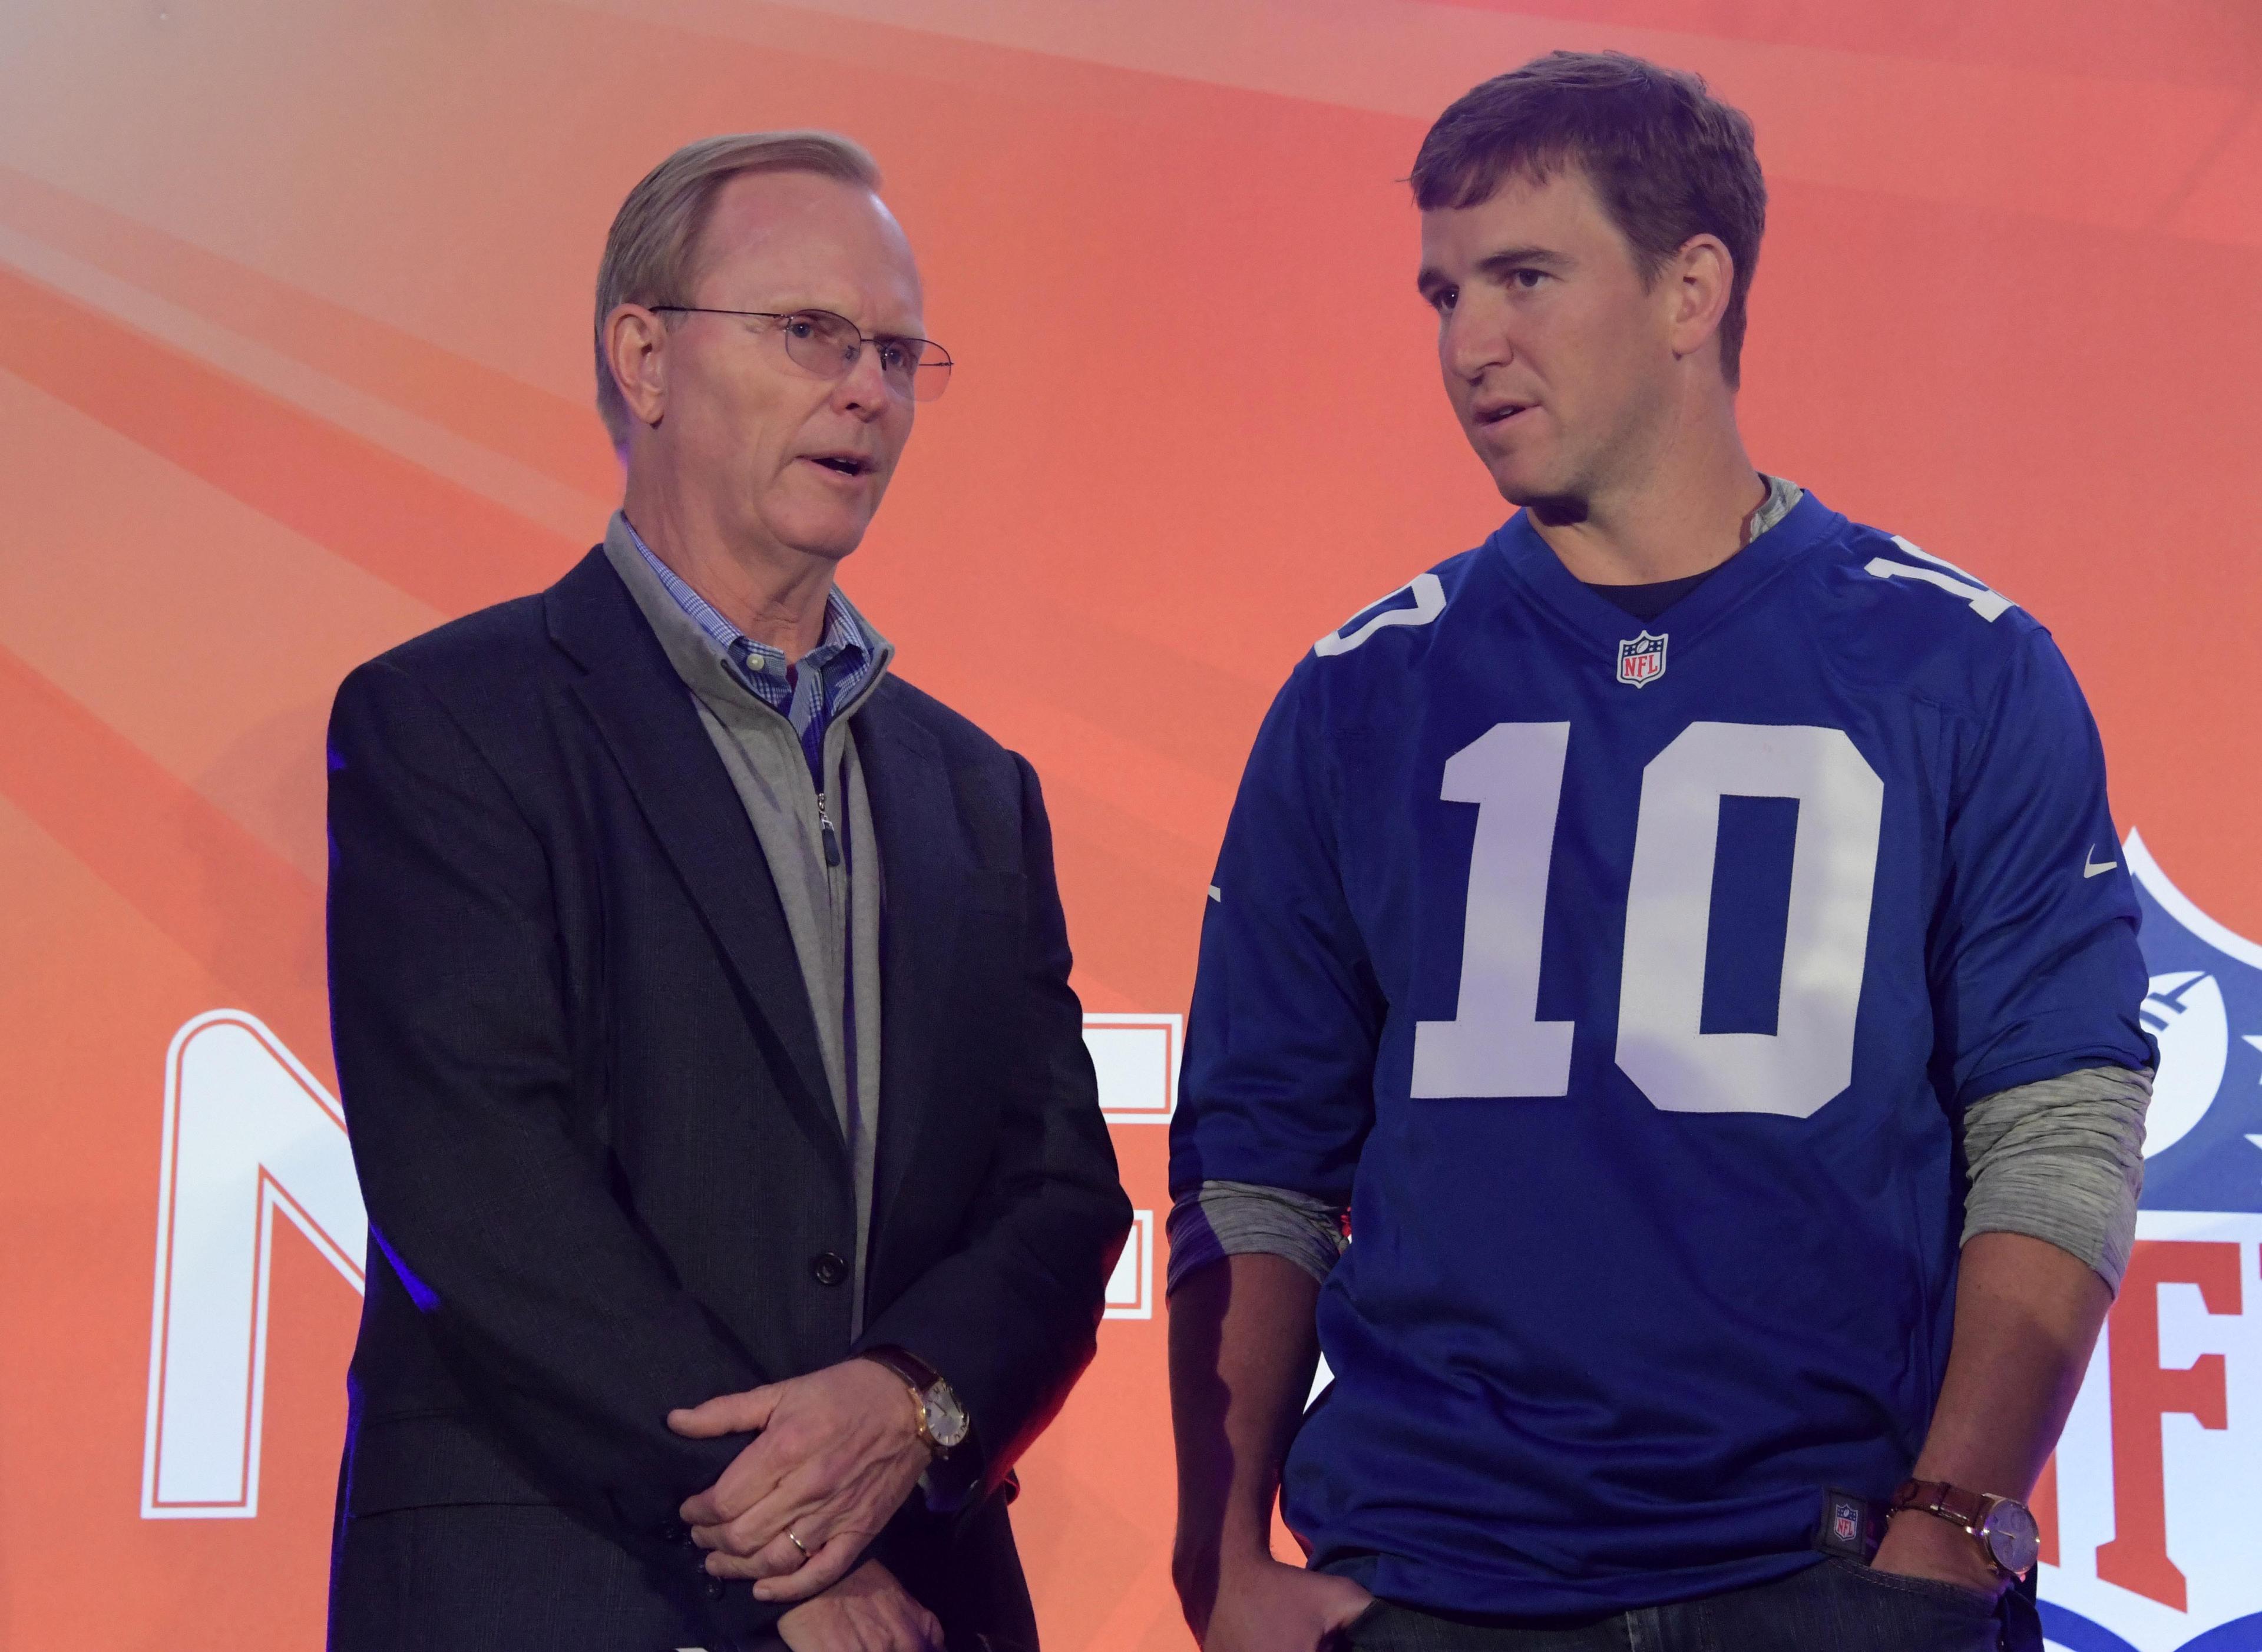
{"points": [[1604, 625]]}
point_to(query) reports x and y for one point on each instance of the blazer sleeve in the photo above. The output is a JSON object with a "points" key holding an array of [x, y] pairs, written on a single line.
{"points": [[1009, 1318], [559, 1317]]}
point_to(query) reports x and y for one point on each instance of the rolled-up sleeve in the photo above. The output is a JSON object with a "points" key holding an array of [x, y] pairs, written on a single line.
{"points": [[2062, 1161]]}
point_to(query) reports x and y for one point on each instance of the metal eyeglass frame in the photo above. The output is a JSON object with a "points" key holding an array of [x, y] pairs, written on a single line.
{"points": [[923, 371]]}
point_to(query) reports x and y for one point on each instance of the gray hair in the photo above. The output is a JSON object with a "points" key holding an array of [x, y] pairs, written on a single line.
{"points": [[651, 253]]}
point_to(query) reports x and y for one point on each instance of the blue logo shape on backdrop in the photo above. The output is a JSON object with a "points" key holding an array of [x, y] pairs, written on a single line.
{"points": [[2204, 1134]]}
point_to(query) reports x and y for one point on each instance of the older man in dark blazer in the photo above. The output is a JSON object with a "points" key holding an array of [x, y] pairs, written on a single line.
{"points": [[741, 1205]]}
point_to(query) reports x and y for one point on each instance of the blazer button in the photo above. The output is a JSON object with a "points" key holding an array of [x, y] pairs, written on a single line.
{"points": [[828, 1269], [714, 1589]]}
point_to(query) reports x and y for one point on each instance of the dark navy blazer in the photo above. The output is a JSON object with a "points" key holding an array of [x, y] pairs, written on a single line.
{"points": [[604, 1176]]}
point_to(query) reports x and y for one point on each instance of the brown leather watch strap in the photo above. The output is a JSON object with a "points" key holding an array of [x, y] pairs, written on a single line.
{"points": [[905, 1364], [1937, 1497]]}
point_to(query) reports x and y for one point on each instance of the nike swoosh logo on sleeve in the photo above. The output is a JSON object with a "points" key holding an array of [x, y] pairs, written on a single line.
{"points": [[2091, 867]]}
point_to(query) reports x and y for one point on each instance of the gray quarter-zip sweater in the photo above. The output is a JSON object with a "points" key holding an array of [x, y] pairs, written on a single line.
{"points": [[832, 912]]}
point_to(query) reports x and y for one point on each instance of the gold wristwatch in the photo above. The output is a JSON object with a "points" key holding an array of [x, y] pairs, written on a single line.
{"points": [[943, 1424]]}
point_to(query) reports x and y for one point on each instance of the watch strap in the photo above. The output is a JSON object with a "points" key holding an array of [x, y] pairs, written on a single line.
{"points": [[903, 1363], [1938, 1496]]}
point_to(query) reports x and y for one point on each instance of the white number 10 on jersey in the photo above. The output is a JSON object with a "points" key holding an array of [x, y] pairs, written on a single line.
{"points": [[1495, 1046]]}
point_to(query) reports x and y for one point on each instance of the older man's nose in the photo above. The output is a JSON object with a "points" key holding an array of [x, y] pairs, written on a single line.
{"points": [[864, 387]]}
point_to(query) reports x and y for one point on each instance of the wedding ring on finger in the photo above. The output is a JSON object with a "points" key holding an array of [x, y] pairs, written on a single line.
{"points": [[798, 1544]]}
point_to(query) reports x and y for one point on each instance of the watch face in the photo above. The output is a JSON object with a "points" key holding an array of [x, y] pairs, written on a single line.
{"points": [[945, 1418], [2009, 1532]]}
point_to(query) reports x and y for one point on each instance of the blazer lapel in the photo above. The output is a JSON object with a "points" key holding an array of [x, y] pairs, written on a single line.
{"points": [[645, 713], [915, 825]]}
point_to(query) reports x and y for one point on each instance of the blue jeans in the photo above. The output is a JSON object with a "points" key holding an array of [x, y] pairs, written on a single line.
{"points": [[1834, 1605]]}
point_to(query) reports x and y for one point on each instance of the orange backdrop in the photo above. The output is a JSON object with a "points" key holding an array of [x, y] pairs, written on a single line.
{"points": [[294, 363]]}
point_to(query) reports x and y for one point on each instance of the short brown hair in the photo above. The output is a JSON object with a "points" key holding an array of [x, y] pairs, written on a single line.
{"points": [[1668, 159], [652, 254]]}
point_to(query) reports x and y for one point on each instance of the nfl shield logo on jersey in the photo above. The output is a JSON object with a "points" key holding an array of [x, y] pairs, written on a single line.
{"points": [[1641, 660], [1845, 1523]]}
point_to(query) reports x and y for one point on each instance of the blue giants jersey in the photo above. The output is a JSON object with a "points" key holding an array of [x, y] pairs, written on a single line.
{"points": [[1627, 982]]}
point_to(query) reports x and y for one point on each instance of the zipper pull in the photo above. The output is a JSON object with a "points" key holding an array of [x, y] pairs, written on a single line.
{"points": [[825, 830]]}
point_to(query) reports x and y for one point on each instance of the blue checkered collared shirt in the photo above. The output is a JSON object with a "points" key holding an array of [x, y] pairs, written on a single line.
{"points": [[805, 693]]}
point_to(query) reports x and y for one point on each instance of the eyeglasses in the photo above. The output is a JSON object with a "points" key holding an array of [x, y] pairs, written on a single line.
{"points": [[829, 345]]}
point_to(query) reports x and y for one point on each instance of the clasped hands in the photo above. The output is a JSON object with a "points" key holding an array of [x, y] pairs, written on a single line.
{"points": [[837, 1452]]}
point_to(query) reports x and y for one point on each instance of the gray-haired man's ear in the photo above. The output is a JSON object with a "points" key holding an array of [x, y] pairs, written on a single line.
{"points": [[636, 349]]}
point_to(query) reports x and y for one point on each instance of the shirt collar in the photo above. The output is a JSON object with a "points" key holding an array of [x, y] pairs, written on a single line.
{"points": [[845, 636]]}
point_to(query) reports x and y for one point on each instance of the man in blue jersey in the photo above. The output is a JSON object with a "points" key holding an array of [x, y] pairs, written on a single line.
{"points": [[1682, 941]]}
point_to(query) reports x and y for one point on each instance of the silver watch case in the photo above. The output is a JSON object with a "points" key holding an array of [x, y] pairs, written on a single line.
{"points": [[2010, 1536]]}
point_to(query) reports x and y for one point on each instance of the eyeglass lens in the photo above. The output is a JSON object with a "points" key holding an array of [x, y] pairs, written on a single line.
{"points": [[829, 345]]}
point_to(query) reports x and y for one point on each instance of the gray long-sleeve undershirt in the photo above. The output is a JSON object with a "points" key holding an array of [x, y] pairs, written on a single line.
{"points": [[2061, 1159]]}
